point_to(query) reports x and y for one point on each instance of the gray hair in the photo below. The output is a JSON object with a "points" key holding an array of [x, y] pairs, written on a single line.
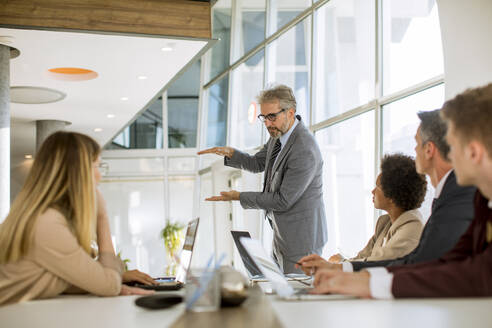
{"points": [[433, 128], [282, 93]]}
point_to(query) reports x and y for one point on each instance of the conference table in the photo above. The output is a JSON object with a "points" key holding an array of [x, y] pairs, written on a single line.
{"points": [[259, 310]]}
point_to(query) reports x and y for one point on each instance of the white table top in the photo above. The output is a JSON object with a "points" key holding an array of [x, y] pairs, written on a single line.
{"points": [[86, 311], [411, 313], [91, 311]]}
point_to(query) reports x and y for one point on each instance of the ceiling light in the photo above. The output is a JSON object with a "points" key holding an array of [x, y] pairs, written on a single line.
{"points": [[28, 156], [34, 95], [98, 130], [124, 98], [142, 77], [167, 49], [110, 116], [72, 74]]}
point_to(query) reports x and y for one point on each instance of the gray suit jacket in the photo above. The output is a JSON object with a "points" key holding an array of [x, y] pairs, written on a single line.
{"points": [[451, 215], [294, 196]]}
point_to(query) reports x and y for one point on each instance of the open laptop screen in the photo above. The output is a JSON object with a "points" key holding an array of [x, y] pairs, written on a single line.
{"points": [[187, 251], [248, 262], [269, 268]]}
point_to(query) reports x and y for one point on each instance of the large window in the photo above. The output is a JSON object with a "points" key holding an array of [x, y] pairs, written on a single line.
{"points": [[144, 133], [400, 123], [247, 83], [344, 57], [348, 178], [251, 22], [217, 113], [221, 29], [412, 50], [283, 11], [292, 69], [182, 109]]}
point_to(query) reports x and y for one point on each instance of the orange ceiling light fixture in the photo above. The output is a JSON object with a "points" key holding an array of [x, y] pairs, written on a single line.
{"points": [[72, 74]]}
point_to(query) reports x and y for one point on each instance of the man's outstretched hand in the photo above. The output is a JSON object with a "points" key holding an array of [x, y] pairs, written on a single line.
{"points": [[225, 196], [221, 151]]}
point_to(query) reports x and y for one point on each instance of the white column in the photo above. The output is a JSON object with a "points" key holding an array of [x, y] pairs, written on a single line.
{"points": [[4, 131], [46, 127]]}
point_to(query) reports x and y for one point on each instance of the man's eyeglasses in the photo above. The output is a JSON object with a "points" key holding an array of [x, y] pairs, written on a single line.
{"points": [[271, 117]]}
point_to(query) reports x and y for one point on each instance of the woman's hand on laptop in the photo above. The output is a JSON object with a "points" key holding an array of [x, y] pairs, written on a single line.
{"points": [[312, 263], [135, 275], [127, 290], [347, 283]]}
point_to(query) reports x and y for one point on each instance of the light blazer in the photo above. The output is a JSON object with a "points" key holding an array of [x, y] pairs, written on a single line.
{"points": [[391, 241], [294, 198], [451, 216]]}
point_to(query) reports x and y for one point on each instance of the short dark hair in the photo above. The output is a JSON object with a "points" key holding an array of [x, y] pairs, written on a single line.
{"points": [[433, 128], [471, 114], [401, 183]]}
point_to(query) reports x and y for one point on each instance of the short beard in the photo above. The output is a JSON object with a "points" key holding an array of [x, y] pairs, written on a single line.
{"points": [[279, 131]]}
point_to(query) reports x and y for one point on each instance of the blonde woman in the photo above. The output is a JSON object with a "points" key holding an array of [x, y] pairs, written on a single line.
{"points": [[46, 240]]}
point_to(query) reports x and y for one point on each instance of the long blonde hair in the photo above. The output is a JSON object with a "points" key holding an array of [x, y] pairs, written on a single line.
{"points": [[61, 177]]}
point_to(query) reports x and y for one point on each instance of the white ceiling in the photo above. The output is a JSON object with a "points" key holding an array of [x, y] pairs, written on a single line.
{"points": [[119, 61]]}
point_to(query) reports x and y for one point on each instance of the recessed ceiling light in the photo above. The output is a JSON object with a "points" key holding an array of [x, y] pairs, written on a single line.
{"points": [[124, 98], [27, 156], [34, 95], [167, 49], [110, 116], [142, 77], [72, 74], [98, 130]]}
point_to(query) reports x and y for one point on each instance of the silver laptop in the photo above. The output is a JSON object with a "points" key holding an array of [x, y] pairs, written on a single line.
{"points": [[177, 282], [254, 273], [273, 273]]}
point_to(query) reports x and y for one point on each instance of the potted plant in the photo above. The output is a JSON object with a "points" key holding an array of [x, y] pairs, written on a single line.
{"points": [[173, 237]]}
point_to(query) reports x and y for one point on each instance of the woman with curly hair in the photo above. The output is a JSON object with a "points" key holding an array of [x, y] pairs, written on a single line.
{"points": [[399, 191]]}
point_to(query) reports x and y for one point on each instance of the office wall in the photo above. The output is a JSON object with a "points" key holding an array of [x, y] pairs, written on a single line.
{"points": [[465, 32]]}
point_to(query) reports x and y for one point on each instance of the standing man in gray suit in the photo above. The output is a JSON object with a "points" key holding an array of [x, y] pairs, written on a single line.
{"points": [[292, 195]]}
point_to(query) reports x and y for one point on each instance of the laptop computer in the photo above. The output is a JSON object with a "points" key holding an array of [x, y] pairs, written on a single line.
{"points": [[251, 268], [176, 283], [254, 273], [279, 282]]}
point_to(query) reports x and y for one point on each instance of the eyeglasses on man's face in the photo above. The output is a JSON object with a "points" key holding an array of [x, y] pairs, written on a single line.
{"points": [[271, 117]]}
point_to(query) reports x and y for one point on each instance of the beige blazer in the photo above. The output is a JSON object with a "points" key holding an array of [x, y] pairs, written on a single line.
{"points": [[395, 240], [56, 263]]}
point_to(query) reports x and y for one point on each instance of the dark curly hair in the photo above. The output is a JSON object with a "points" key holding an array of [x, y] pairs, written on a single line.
{"points": [[401, 183]]}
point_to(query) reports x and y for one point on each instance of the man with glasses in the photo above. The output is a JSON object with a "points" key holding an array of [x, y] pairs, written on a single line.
{"points": [[292, 195]]}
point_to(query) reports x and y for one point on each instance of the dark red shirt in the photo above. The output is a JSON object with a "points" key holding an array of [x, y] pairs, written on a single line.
{"points": [[465, 271]]}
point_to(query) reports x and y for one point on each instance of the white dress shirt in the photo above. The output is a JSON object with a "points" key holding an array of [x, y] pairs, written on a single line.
{"points": [[285, 137], [380, 280], [441, 183]]}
